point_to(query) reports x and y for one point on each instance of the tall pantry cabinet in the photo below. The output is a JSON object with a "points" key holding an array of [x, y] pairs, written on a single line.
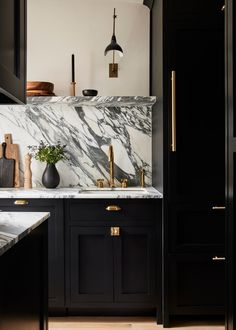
{"points": [[187, 76]]}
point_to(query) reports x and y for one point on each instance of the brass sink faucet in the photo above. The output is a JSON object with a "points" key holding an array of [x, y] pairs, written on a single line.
{"points": [[111, 166]]}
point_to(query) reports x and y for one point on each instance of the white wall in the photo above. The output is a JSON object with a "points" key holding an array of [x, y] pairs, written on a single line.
{"points": [[58, 28]]}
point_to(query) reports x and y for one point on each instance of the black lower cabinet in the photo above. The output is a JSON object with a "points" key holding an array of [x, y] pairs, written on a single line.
{"points": [[196, 284], [56, 288], [113, 258]]}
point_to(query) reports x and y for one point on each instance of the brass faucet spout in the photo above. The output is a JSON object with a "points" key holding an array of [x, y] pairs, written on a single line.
{"points": [[111, 166]]}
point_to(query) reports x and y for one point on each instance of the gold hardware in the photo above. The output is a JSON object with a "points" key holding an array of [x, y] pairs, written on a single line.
{"points": [[115, 231], [218, 207], [111, 166], [173, 111], [113, 208], [73, 88], [21, 202], [218, 258], [124, 183], [142, 172], [100, 183]]}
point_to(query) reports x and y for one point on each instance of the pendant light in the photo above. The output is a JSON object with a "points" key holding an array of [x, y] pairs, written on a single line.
{"points": [[114, 47]]}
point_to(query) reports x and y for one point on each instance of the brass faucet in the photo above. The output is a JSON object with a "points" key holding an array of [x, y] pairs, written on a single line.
{"points": [[111, 166]]}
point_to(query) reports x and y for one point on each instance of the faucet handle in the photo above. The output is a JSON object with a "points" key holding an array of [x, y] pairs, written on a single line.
{"points": [[100, 183], [124, 183]]}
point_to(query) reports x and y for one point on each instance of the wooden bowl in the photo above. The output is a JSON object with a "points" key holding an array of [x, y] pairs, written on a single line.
{"points": [[40, 85]]}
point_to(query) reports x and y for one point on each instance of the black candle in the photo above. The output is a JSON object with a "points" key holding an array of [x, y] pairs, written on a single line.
{"points": [[73, 67]]}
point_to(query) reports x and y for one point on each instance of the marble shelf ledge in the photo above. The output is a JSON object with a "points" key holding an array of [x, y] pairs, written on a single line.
{"points": [[99, 101], [16, 225], [76, 192]]}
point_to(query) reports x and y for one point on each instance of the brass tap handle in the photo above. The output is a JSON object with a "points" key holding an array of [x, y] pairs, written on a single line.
{"points": [[124, 183], [100, 183], [142, 177]]}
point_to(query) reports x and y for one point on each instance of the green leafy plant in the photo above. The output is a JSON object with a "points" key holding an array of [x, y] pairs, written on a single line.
{"points": [[47, 153]]}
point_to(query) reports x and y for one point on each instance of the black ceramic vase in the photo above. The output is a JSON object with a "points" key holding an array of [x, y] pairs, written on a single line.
{"points": [[50, 178]]}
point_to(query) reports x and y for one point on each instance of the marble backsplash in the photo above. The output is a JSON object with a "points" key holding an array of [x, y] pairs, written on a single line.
{"points": [[87, 126]]}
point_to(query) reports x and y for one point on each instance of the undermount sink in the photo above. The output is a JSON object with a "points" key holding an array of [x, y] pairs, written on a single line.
{"points": [[106, 190]]}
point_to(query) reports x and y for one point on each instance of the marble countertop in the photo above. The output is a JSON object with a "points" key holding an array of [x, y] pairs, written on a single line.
{"points": [[16, 225], [101, 101], [78, 192]]}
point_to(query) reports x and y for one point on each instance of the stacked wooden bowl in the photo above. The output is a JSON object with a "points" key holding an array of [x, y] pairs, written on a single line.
{"points": [[39, 88]]}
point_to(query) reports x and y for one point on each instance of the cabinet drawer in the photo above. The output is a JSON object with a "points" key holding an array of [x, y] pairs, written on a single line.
{"points": [[197, 229], [98, 210], [196, 284]]}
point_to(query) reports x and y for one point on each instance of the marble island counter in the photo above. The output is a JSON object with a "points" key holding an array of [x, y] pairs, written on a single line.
{"points": [[16, 225], [80, 193]]}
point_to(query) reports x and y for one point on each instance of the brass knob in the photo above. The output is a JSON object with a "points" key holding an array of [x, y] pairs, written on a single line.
{"points": [[115, 231], [124, 183], [21, 202], [218, 258], [100, 183], [113, 208]]}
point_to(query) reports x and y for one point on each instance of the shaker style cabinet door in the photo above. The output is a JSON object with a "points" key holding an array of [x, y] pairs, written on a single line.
{"points": [[12, 51], [90, 271], [135, 265]]}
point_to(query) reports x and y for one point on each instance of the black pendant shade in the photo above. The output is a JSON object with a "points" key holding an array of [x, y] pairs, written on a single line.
{"points": [[113, 46]]}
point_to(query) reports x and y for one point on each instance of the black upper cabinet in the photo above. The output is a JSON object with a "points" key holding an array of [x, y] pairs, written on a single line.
{"points": [[12, 51]]}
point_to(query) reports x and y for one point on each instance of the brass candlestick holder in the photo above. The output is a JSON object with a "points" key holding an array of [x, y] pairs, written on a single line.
{"points": [[73, 83]]}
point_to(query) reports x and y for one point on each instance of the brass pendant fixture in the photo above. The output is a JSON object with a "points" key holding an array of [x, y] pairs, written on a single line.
{"points": [[114, 47]]}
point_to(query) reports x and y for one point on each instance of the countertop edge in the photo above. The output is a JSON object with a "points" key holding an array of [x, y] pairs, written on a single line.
{"points": [[13, 239]]}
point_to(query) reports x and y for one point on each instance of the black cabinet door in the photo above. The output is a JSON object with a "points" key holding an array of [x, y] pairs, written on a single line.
{"points": [[55, 243], [196, 54], [12, 51], [90, 266], [135, 275], [196, 284]]}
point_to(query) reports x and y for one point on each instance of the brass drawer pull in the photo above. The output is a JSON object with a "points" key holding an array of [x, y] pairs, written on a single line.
{"points": [[218, 207], [21, 202], [218, 258], [113, 208], [115, 231]]}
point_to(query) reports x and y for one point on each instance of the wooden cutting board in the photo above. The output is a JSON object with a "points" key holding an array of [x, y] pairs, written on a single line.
{"points": [[12, 152], [6, 169]]}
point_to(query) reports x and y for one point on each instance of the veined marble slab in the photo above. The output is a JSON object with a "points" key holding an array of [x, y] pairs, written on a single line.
{"points": [[16, 225], [77, 192], [87, 125], [107, 101]]}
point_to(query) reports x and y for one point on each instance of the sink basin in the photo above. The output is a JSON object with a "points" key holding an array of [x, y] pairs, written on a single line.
{"points": [[107, 190]]}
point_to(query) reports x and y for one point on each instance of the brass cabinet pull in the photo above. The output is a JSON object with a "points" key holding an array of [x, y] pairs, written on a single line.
{"points": [[113, 208], [173, 111], [21, 202], [115, 231], [218, 207], [218, 258]]}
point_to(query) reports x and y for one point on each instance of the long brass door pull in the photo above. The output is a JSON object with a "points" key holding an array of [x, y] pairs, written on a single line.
{"points": [[113, 208], [218, 207], [21, 202], [173, 111]]}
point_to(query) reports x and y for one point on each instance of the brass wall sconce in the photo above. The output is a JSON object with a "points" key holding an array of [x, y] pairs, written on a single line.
{"points": [[114, 47]]}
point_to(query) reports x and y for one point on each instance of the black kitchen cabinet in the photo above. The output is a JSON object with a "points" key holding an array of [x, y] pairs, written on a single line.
{"points": [[13, 51], [113, 257], [188, 78], [56, 288]]}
